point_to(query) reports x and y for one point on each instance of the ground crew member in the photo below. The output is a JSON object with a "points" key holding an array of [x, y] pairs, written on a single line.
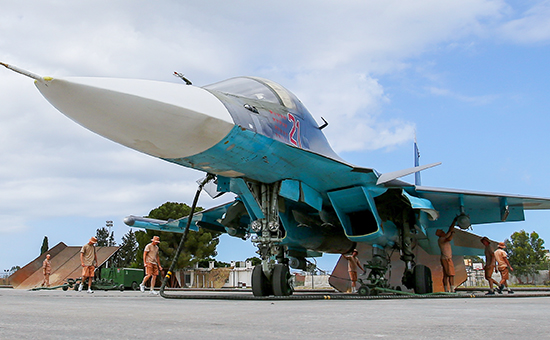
{"points": [[503, 265], [151, 261], [353, 264], [444, 243], [46, 270], [490, 265], [88, 259]]}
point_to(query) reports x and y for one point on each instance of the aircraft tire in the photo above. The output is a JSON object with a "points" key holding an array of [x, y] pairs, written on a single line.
{"points": [[260, 283], [282, 285], [422, 279]]}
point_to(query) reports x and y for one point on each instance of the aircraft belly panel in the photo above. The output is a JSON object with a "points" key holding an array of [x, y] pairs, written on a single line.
{"points": [[312, 236]]}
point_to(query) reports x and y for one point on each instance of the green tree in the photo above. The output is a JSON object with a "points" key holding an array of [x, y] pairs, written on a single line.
{"points": [[126, 255], [45, 246], [526, 254], [104, 239], [255, 260], [199, 245]]}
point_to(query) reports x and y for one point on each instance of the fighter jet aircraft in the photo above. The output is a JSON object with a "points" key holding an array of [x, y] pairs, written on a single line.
{"points": [[295, 196]]}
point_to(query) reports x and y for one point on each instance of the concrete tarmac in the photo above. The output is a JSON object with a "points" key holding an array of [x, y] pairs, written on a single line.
{"points": [[134, 315]]}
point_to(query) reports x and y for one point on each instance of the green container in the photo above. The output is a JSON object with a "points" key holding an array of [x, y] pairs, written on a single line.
{"points": [[129, 277]]}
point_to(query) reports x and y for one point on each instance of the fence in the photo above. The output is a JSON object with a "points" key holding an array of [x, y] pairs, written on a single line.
{"points": [[476, 278]]}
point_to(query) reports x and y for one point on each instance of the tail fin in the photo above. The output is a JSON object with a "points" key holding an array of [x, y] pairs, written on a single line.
{"points": [[417, 181]]}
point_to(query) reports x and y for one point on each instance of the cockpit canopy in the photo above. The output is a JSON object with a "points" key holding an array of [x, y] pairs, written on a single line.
{"points": [[259, 89]]}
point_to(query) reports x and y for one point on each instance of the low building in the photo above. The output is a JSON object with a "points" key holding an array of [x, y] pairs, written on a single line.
{"points": [[238, 275]]}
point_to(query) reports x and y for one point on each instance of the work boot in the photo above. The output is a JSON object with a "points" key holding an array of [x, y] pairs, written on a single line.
{"points": [[500, 288], [142, 287]]}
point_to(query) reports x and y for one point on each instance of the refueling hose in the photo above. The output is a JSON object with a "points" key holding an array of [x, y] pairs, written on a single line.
{"points": [[208, 178]]}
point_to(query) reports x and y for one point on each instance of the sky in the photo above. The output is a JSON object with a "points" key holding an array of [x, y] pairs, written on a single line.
{"points": [[470, 78]]}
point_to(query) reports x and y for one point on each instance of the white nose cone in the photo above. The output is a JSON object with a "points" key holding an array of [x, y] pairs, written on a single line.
{"points": [[166, 120]]}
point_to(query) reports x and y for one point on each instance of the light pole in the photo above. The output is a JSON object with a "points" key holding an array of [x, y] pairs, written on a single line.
{"points": [[109, 224]]}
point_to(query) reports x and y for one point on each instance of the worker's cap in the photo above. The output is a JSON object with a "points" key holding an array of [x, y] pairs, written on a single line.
{"points": [[93, 239], [501, 245], [484, 238], [156, 239]]}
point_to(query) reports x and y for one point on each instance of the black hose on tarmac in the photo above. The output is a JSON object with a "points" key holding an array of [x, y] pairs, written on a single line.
{"points": [[183, 237]]}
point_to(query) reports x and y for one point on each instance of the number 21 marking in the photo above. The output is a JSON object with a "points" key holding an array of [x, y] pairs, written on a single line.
{"points": [[294, 135]]}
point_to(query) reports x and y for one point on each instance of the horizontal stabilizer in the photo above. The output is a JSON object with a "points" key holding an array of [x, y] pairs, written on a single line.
{"points": [[153, 224], [384, 178], [209, 219]]}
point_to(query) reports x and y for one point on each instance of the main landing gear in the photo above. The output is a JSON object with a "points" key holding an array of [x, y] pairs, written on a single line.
{"points": [[272, 277], [416, 276]]}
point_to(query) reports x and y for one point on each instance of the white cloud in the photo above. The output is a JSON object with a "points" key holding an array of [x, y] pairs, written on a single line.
{"points": [[533, 25], [351, 104], [12, 225], [475, 100]]}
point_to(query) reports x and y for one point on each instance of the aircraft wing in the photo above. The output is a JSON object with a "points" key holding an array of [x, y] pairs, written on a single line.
{"points": [[482, 207], [206, 219]]}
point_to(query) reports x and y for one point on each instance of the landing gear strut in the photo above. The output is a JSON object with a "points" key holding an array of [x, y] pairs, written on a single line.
{"points": [[416, 276], [272, 277]]}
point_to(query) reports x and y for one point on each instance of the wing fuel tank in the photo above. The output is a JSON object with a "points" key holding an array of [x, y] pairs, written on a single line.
{"points": [[161, 119]]}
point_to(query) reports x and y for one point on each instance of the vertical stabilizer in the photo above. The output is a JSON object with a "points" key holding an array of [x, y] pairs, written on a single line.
{"points": [[417, 181]]}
